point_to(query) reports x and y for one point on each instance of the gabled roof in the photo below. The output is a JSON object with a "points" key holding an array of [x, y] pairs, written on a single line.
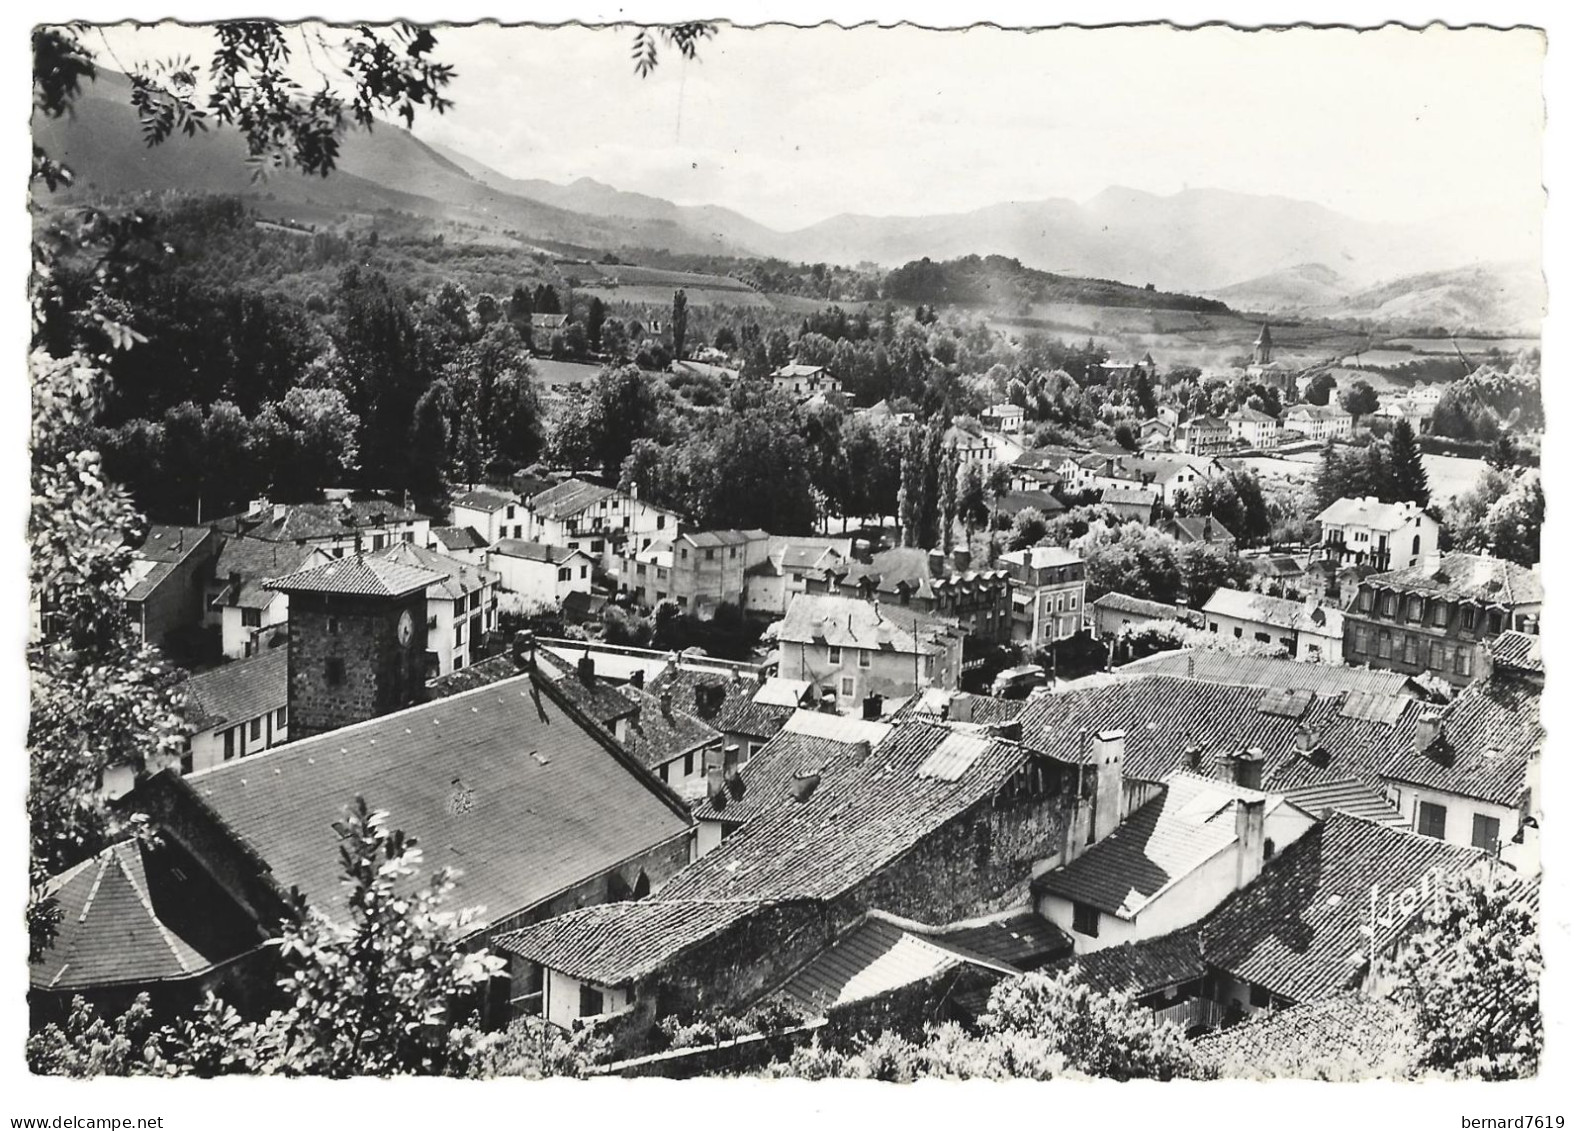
{"points": [[485, 499], [568, 498], [1042, 557], [1277, 612], [846, 622], [1121, 603], [1139, 968], [764, 784], [1345, 1037], [733, 710], [132, 915], [1252, 416], [907, 569], [459, 578], [1266, 671], [1475, 577], [710, 539], [1170, 837], [1490, 734], [255, 559], [453, 538], [1200, 528], [1014, 502], [362, 575], [164, 548], [1517, 651], [479, 674], [1128, 496], [291, 522], [656, 736], [1297, 930], [238, 691], [798, 370], [502, 782], [1348, 795], [536, 551]]}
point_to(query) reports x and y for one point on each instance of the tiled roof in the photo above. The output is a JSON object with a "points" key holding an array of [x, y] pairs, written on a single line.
{"points": [[1014, 502], [1368, 512], [1346, 1037], [797, 370], [535, 551], [479, 674], [656, 736], [484, 499], [1139, 968], [1252, 416], [1170, 837], [1490, 734], [734, 712], [1297, 929], [1265, 671], [361, 575], [1128, 496], [501, 782], [907, 568], [318, 521], [612, 944], [713, 538], [1195, 528], [1461, 576], [1518, 651], [877, 955], [847, 622], [164, 548], [779, 692], [1277, 612], [1042, 557], [1023, 939], [254, 558], [126, 917], [763, 785], [599, 700], [460, 578], [238, 691], [879, 814], [1348, 795], [568, 498], [459, 538]]}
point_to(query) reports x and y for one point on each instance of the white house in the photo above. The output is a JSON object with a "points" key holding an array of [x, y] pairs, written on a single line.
{"points": [[460, 609], [1255, 429], [601, 521], [1386, 536], [534, 574], [240, 601], [805, 380], [1309, 631], [1318, 421], [852, 648], [341, 527], [1004, 417], [1170, 863], [238, 709], [491, 513]]}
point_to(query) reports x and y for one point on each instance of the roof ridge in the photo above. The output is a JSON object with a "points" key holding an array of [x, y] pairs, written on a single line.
{"points": [[147, 905]]}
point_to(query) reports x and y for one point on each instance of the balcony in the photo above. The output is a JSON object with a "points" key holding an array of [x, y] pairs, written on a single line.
{"points": [[1193, 1014]]}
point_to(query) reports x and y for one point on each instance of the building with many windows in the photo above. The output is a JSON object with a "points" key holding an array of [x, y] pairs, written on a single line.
{"points": [[853, 649], [1385, 536], [460, 609], [1438, 616], [601, 521], [1048, 592]]}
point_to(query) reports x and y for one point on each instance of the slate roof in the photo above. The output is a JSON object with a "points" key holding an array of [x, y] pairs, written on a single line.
{"points": [[164, 548], [710, 539], [737, 712], [1163, 842], [239, 691], [485, 499], [847, 622], [612, 944], [763, 784], [454, 538], [126, 918], [1517, 651], [320, 521], [1023, 939], [1128, 496], [362, 575], [1266, 671], [1139, 968], [1297, 930], [1042, 501], [797, 370], [568, 498], [460, 578], [535, 551], [879, 814], [1121, 603], [1042, 557], [501, 782], [877, 955], [1458, 576], [254, 561], [1348, 1036], [597, 698]]}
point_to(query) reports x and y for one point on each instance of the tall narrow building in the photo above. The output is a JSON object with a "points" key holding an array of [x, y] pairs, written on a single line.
{"points": [[1263, 353], [357, 641]]}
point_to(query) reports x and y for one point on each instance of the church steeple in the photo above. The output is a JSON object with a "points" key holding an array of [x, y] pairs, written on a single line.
{"points": [[1264, 352]]}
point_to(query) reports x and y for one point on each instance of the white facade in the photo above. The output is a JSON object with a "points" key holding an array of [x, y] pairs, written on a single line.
{"points": [[1256, 429], [1461, 820], [492, 520], [537, 579]]}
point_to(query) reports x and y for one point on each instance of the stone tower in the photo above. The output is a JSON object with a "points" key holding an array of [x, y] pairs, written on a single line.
{"points": [[357, 641], [1264, 350]]}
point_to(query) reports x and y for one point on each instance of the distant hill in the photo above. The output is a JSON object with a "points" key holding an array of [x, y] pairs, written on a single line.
{"points": [[1497, 296], [1304, 288], [1006, 285]]}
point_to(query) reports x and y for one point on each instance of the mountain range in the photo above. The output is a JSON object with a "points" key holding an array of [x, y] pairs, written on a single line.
{"points": [[1260, 253]]}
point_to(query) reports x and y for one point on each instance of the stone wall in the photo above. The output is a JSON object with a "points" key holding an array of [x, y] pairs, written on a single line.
{"points": [[361, 633]]}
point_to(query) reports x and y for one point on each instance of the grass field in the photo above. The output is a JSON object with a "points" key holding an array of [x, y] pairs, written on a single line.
{"points": [[550, 372], [1448, 476]]}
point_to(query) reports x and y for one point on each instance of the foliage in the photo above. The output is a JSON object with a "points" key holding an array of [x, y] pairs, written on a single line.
{"points": [[1236, 499], [88, 1045], [993, 279], [536, 1050], [1360, 399], [1320, 388], [1491, 401], [1471, 975], [1409, 474], [1502, 516]]}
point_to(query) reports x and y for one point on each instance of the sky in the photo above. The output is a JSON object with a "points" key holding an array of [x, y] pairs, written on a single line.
{"points": [[790, 126]]}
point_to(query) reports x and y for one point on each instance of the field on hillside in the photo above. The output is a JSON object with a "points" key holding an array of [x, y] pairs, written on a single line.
{"points": [[550, 372], [1448, 476]]}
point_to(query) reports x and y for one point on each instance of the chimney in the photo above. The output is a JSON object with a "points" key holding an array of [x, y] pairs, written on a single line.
{"points": [[828, 701], [1249, 839], [637, 679], [587, 670], [960, 709], [1108, 756], [1248, 768], [1307, 741], [1194, 754], [258, 508], [525, 649], [666, 703], [1429, 729], [279, 511], [874, 707], [962, 559], [762, 675], [936, 563], [861, 549], [715, 773]]}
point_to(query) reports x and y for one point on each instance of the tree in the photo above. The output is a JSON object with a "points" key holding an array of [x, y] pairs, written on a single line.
{"points": [[595, 319], [1471, 975], [1360, 399], [628, 407], [1147, 400], [1502, 515], [680, 323], [1027, 528], [1408, 473], [1320, 387], [948, 473], [1204, 568]]}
